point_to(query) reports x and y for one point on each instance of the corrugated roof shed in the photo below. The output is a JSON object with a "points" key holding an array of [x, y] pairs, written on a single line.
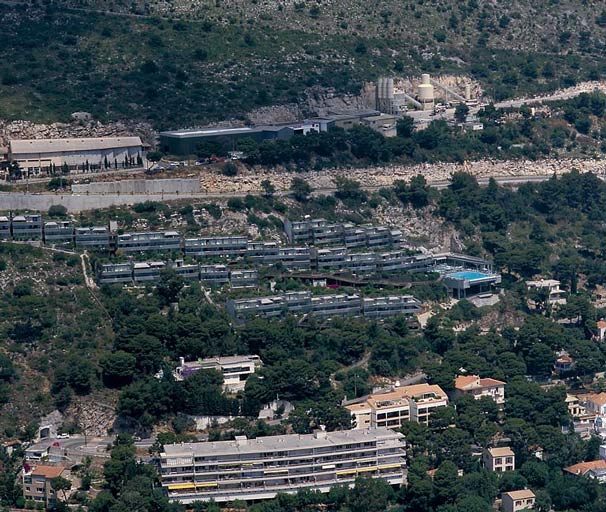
{"points": [[20, 146]]}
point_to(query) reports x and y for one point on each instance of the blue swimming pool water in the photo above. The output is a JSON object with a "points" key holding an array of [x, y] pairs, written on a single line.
{"points": [[469, 275]]}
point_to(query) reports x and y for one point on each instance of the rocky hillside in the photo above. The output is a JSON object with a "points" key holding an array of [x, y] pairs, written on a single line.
{"points": [[186, 62]]}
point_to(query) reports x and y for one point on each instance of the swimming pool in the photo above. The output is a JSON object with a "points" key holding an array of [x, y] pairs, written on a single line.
{"points": [[468, 275]]}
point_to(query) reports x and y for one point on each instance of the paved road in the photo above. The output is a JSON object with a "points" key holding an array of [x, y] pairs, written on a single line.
{"points": [[84, 202]]}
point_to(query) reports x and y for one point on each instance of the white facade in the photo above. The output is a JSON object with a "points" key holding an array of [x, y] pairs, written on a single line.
{"points": [[256, 469]]}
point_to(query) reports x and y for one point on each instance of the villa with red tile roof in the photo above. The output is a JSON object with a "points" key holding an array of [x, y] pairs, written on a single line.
{"points": [[478, 387], [592, 469], [594, 403]]}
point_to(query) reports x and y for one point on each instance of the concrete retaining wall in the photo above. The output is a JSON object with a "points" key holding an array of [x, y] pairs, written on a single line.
{"points": [[167, 186]]}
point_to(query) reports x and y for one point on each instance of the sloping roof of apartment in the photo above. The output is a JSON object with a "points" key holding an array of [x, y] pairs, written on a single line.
{"points": [[19, 146], [583, 467], [48, 471], [467, 382], [502, 451], [522, 494], [595, 398]]}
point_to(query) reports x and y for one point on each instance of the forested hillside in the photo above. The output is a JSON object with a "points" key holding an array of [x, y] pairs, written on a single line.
{"points": [[181, 63]]}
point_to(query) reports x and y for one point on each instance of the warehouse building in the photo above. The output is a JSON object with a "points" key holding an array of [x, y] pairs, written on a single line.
{"points": [[256, 469], [36, 155], [186, 142]]}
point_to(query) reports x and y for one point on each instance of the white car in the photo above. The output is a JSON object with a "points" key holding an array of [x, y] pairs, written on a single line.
{"points": [[63, 436]]}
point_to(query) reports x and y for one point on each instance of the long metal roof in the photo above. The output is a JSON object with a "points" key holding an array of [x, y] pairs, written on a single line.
{"points": [[24, 146]]}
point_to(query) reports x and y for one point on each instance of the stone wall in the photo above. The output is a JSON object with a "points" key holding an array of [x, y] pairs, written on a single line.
{"points": [[167, 186]]}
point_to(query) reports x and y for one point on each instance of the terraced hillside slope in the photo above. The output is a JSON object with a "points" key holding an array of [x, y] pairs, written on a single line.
{"points": [[184, 63]]}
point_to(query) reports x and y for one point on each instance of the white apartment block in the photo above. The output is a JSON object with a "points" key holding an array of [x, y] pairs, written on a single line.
{"points": [[401, 404], [256, 469]]}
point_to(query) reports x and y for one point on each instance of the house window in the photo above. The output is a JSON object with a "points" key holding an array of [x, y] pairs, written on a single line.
{"points": [[509, 460]]}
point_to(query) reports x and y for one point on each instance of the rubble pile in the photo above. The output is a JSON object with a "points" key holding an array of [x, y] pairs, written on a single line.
{"points": [[249, 180]]}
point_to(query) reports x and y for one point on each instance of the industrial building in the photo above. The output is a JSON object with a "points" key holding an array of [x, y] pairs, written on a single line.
{"points": [[323, 306], [396, 406], [36, 155], [185, 142], [235, 369], [256, 469]]}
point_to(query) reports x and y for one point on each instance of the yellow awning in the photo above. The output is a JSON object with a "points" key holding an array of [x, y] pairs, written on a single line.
{"points": [[174, 487], [390, 466], [207, 485]]}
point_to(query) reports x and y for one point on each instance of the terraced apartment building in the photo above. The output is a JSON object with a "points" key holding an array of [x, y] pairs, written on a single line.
{"points": [[256, 469]]}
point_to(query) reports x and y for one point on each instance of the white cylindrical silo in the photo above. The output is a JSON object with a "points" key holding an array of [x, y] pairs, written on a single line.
{"points": [[467, 91], [425, 79]]}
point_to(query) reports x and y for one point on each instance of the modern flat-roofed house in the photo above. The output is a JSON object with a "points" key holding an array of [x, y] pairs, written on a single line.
{"points": [[468, 283], [478, 387], [147, 271], [499, 459], [159, 241], [27, 227], [5, 227], [58, 232], [516, 501], [37, 484], [216, 246], [397, 406], [97, 237], [112, 273], [214, 275], [257, 469], [335, 305], [554, 295], [392, 305], [294, 258], [35, 155], [244, 278], [189, 272], [235, 369]]}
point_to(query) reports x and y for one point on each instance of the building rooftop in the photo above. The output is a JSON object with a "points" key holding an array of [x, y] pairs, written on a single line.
{"points": [[595, 398], [583, 467], [522, 494], [502, 451], [279, 443], [469, 382], [389, 399], [48, 471], [87, 144], [543, 283]]}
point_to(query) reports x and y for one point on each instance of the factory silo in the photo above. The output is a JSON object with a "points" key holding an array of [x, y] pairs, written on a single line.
{"points": [[426, 93], [467, 91]]}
